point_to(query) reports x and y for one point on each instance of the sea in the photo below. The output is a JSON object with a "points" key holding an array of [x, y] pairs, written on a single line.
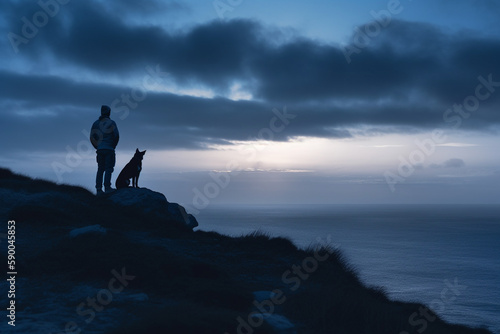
{"points": [[445, 256]]}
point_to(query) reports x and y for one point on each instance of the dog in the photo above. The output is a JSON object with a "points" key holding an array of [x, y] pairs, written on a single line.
{"points": [[132, 170]]}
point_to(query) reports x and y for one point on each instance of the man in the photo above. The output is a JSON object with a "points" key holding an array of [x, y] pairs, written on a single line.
{"points": [[104, 137]]}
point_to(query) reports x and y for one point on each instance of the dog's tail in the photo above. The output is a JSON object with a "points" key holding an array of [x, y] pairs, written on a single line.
{"points": [[122, 182]]}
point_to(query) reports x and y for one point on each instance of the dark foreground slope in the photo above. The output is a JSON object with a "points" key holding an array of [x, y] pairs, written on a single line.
{"points": [[142, 273]]}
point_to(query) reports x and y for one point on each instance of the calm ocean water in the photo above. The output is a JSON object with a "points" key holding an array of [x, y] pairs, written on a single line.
{"points": [[414, 252]]}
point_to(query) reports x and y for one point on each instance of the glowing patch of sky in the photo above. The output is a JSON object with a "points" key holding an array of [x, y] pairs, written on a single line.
{"points": [[332, 156]]}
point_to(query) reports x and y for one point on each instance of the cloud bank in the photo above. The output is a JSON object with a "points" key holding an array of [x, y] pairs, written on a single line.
{"points": [[408, 78]]}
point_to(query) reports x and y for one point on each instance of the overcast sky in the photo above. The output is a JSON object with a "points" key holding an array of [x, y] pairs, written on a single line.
{"points": [[260, 101]]}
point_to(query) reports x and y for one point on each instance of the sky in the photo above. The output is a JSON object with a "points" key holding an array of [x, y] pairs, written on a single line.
{"points": [[260, 102]]}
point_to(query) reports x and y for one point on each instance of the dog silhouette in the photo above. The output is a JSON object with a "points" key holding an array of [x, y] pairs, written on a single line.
{"points": [[132, 170]]}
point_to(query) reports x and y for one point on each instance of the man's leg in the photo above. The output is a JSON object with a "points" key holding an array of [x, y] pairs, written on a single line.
{"points": [[101, 165], [110, 164]]}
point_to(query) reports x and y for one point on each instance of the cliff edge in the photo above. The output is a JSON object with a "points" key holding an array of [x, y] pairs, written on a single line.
{"points": [[130, 262]]}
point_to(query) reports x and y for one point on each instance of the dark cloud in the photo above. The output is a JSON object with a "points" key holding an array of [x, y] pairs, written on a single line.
{"points": [[160, 120], [404, 57], [403, 79], [51, 108], [131, 8]]}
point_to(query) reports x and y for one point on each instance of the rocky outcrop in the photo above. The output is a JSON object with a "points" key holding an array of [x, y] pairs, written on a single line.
{"points": [[149, 201], [23, 195]]}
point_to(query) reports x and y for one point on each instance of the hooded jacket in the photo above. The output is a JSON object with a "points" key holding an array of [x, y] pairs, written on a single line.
{"points": [[104, 134]]}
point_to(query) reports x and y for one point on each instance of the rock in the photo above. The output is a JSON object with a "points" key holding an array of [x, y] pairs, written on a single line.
{"points": [[92, 229], [152, 202], [140, 198], [260, 296], [192, 221], [278, 322], [180, 214]]}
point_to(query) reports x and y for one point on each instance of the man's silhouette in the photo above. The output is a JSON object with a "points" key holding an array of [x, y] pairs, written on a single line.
{"points": [[104, 137]]}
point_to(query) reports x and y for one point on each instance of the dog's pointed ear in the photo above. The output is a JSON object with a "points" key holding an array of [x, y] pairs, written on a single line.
{"points": [[136, 150], [144, 152]]}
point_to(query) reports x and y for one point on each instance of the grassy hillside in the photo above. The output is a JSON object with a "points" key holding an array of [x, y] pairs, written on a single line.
{"points": [[177, 280]]}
